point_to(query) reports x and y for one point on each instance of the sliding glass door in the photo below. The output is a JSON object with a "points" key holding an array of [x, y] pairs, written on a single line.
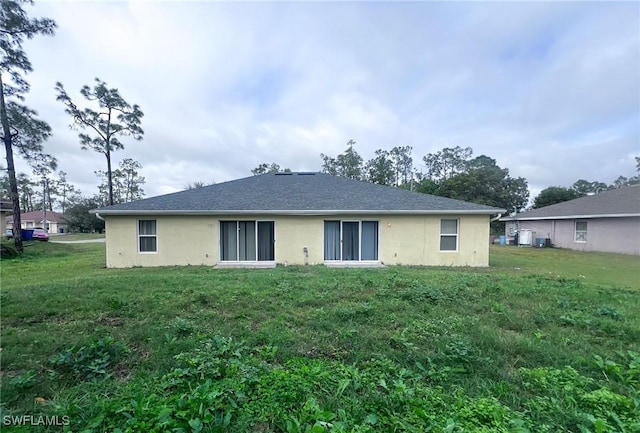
{"points": [[240, 241], [369, 240], [266, 241], [351, 240]]}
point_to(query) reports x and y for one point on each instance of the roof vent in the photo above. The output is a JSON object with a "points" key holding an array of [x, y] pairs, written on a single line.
{"points": [[306, 173], [284, 174]]}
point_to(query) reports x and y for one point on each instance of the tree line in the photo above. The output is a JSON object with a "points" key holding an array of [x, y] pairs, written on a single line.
{"points": [[52, 191], [581, 187], [106, 118], [450, 172]]}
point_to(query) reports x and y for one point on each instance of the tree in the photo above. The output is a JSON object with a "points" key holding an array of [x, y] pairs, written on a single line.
{"points": [[487, 183], [553, 195], [428, 186], [625, 181], [620, 182], [125, 181], [4, 185], [21, 129], [584, 187], [329, 165], [195, 185], [447, 162], [402, 164], [47, 187], [131, 181], [269, 168], [103, 187], [27, 191], [65, 189], [115, 118], [347, 164], [380, 169], [80, 219], [350, 162]]}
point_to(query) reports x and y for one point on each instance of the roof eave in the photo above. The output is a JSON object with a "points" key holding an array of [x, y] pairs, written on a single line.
{"points": [[106, 212], [570, 217]]}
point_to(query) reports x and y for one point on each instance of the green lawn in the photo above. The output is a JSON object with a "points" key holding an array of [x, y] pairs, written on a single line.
{"points": [[76, 236], [544, 340], [606, 269]]}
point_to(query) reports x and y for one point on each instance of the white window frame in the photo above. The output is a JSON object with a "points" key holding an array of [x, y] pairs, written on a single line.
{"points": [[246, 262], [456, 235], [341, 261], [139, 236], [580, 236]]}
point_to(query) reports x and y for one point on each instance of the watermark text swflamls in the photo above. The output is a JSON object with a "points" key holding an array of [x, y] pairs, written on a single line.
{"points": [[35, 420]]}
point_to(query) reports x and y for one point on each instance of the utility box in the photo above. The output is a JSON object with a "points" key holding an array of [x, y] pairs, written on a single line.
{"points": [[525, 237]]}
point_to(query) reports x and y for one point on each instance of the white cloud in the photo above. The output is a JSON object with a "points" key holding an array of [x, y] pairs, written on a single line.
{"points": [[548, 89]]}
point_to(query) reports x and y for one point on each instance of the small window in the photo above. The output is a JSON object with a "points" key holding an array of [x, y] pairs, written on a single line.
{"points": [[581, 231], [448, 235], [147, 237]]}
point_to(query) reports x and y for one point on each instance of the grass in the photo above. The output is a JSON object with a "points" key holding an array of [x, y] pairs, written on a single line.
{"points": [[76, 236], [607, 269], [522, 345]]}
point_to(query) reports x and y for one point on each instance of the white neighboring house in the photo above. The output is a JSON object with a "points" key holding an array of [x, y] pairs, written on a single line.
{"points": [[5, 209], [606, 222], [53, 222]]}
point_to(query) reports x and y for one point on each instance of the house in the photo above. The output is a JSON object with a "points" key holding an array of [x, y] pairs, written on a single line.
{"points": [[6, 207], [297, 218], [51, 221], [607, 222]]}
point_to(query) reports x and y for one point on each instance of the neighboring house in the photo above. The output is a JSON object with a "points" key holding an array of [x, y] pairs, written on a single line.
{"points": [[607, 222], [297, 218], [53, 222], [6, 207]]}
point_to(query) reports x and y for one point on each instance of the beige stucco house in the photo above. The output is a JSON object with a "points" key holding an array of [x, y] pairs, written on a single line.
{"points": [[606, 222], [297, 218]]}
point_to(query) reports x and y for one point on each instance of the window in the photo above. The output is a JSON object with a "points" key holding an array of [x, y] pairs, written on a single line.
{"points": [[247, 241], [448, 235], [147, 236], [581, 231], [351, 240]]}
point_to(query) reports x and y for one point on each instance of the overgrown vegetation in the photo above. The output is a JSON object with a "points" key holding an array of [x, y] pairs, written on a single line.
{"points": [[298, 349], [8, 250]]}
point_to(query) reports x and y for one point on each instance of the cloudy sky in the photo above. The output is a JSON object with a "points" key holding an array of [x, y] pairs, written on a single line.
{"points": [[549, 89]]}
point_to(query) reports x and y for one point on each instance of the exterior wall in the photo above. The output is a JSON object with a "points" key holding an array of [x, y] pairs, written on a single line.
{"points": [[194, 240], [611, 235], [3, 223], [188, 240], [415, 240]]}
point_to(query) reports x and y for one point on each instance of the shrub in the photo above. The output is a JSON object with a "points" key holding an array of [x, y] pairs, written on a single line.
{"points": [[89, 362], [8, 251]]}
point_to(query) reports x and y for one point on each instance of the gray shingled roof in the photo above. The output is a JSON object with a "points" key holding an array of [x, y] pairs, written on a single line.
{"points": [[296, 193], [619, 202]]}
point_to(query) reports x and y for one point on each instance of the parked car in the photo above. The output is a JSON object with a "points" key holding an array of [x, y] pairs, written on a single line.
{"points": [[40, 234]]}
